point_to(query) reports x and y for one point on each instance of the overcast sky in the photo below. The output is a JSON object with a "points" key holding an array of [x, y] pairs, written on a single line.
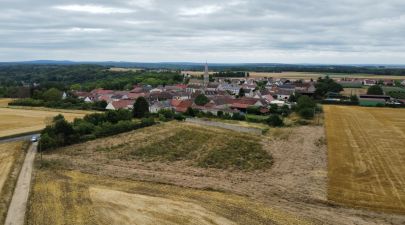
{"points": [[272, 31]]}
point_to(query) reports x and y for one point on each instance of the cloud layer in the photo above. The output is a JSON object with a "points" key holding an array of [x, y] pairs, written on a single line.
{"points": [[288, 31]]}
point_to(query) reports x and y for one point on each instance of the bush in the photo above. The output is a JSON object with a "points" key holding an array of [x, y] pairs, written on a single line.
{"points": [[306, 113], [179, 117], [238, 116], [190, 112], [201, 100], [275, 121], [141, 108], [375, 90]]}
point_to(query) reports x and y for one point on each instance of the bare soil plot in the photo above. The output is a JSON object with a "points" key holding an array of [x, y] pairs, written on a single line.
{"points": [[16, 121], [11, 158], [62, 197], [366, 157]]}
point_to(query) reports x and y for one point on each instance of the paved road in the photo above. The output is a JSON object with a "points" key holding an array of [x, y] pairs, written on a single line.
{"points": [[21, 138], [18, 205]]}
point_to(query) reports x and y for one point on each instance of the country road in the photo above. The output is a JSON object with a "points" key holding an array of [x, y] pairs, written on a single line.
{"points": [[18, 205], [20, 138]]}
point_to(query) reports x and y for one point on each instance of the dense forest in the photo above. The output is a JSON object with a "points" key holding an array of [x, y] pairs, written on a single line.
{"points": [[13, 78]]}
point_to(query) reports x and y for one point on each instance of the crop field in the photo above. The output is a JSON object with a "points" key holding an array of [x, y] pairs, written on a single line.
{"points": [[71, 197], [15, 121], [306, 75], [366, 154], [11, 157], [4, 102]]}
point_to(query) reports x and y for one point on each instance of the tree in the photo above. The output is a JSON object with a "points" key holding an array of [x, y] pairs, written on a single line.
{"points": [[354, 98], [201, 100], [52, 94], [305, 102], [241, 92], [275, 121], [307, 113], [375, 90], [325, 85], [190, 112], [141, 108]]}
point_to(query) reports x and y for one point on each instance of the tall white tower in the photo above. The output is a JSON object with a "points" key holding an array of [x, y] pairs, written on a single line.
{"points": [[206, 75]]}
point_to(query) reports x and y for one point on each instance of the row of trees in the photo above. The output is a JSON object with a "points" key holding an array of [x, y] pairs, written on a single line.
{"points": [[61, 132]]}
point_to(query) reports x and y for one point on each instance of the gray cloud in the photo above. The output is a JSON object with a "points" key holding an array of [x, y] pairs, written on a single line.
{"points": [[289, 31]]}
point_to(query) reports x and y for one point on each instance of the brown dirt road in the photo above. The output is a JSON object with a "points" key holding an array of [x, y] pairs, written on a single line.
{"points": [[18, 205]]}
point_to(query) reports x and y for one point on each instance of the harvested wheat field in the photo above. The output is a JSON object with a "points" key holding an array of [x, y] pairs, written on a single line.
{"points": [[4, 102], [11, 158], [366, 157], [16, 121], [293, 180], [69, 197]]}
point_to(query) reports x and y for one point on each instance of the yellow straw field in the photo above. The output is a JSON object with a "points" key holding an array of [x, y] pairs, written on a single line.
{"points": [[16, 121], [366, 156]]}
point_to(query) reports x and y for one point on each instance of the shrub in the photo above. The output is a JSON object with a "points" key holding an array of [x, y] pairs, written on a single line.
{"points": [[306, 113], [275, 121], [179, 117], [141, 108], [201, 100], [375, 90]]}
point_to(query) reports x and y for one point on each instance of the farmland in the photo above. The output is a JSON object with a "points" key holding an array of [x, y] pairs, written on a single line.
{"points": [[111, 181], [79, 198], [306, 75], [15, 120], [366, 157], [11, 158]]}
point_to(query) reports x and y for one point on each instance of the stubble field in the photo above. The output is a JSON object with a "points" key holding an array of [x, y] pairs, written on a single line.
{"points": [[15, 121], [11, 158], [366, 152]]}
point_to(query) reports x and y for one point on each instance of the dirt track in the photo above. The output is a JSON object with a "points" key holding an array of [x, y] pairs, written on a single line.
{"points": [[18, 205]]}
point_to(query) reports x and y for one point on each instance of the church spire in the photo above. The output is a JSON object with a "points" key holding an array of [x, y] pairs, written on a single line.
{"points": [[206, 75]]}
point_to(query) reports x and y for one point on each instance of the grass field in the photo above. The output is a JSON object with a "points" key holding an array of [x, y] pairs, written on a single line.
{"points": [[11, 158], [69, 197], [15, 121], [366, 155]]}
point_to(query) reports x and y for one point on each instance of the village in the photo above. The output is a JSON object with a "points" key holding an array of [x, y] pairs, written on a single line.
{"points": [[235, 94]]}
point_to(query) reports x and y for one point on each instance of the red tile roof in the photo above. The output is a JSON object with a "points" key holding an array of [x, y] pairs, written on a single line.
{"points": [[123, 104]]}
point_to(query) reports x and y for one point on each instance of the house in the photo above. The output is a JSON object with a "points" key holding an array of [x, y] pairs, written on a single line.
{"points": [[160, 96], [368, 82], [284, 94], [243, 103], [403, 83], [277, 102], [121, 104], [388, 82], [100, 91], [192, 88], [232, 88], [212, 87], [373, 100], [159, 105], [183, 106]]}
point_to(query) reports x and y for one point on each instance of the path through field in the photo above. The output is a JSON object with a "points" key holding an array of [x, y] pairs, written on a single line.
{"points": [[366, 157], [18, 205]]}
